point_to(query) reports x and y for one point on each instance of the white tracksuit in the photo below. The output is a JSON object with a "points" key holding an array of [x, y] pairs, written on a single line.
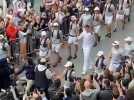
{"points": [[88, 41]]}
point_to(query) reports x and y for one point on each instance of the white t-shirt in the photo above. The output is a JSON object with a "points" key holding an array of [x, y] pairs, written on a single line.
{"points": [[55, 40], [88, 39], [73, 29]]}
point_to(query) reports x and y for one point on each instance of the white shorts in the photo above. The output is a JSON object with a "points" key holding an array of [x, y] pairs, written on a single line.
{"points": [[72, 40], [56, 47], [108, 20], [119, 17], [127, 11], [97, 28]]}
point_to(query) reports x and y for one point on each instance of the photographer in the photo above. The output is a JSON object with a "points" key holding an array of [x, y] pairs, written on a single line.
{"points": [[69, 75], [43, 76]]}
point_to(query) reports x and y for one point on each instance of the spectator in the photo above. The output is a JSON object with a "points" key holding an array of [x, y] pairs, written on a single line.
{"points": [[106, 92], [68, 95], [100, 61], [4, 67], [29, 68], [131, 84], [69, 75], [11, 33], [130, 94], [116, 57], [116, 93], [89, 93]]}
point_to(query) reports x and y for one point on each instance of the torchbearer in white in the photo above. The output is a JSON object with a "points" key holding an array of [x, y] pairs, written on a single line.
{"points": [[88, 41]]}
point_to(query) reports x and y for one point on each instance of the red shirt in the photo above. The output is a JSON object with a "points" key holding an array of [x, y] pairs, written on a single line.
{"points": [[11, 32]]}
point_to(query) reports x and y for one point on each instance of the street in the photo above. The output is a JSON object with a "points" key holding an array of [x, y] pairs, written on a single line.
{"points": [[105, 44]]}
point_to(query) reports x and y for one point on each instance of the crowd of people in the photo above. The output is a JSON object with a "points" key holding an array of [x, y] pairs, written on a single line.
{"points": [[28, 37]]}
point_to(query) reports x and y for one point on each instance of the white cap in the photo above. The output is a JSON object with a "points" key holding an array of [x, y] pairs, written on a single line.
{"points": [[86, 9], [73, 18], [96, 8], [100, 53], [68, 64], [43, 33], [1, 36], [128, 39], [55, 24], [115, 43], [43, 60]]}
